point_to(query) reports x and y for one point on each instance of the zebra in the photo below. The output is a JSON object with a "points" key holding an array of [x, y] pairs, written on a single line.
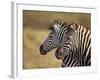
{"points": [[72, 39], [69, 60]]}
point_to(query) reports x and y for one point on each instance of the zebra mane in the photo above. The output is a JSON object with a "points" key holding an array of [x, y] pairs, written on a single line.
{"points": [[56, 24], [73, 26]]}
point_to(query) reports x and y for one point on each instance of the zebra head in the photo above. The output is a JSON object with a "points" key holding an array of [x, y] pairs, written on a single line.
{"points": [[60, 33]]}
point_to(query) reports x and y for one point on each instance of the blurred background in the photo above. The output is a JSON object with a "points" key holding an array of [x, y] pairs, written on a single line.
{"points": [[35, 31]]}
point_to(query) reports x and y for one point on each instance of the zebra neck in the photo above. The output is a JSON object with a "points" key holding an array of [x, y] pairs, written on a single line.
{"points": [[84, 37]]}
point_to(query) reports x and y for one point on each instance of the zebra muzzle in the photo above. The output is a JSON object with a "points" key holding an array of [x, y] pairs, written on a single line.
{"points": [[42, 51], [58, 53]]}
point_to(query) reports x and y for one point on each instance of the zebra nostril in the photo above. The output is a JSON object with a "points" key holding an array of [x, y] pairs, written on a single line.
{"points": [[41, 47], [42, 51]]}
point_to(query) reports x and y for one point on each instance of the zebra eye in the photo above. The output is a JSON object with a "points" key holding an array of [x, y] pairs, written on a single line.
{"points": [[68, 38], [50, 36]]}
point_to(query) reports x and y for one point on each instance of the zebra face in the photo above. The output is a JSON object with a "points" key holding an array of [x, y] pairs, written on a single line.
{"points": [[50, 43], [64, 50]]}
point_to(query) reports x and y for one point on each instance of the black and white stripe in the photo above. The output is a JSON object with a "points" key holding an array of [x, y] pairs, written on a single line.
{"points": [[72, 43], [68, 60]]}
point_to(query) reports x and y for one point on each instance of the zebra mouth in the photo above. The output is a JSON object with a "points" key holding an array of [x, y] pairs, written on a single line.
{"points": [[42, 51], [58, 56]]}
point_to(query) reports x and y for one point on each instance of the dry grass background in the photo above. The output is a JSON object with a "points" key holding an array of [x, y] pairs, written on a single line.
{"points": [[35, 30]]}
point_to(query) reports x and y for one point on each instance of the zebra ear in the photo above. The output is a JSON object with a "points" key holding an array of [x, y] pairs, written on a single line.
{"points": [[56, 27]]}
